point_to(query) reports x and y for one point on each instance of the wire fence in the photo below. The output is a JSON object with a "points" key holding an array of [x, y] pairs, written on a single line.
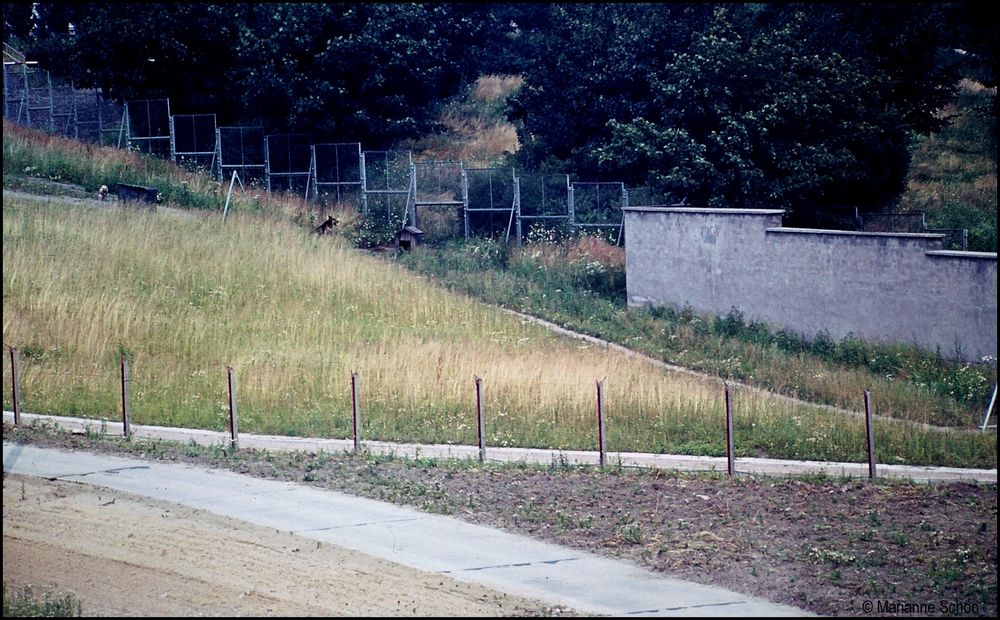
{"points": [[120, 393], [451, 198]]}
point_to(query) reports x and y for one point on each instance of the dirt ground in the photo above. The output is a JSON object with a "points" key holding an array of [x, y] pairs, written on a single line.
{"points": [[827, 545], [123, 555]]}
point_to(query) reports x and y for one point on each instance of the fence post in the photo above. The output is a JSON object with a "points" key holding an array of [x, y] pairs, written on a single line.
{"points": [[601, 440], [480, 423], [15, 379], [730, 460], [869, 435], [233, 420], [126, 399], [355, 411]]}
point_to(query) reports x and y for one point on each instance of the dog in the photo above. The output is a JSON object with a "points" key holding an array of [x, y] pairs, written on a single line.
{"points": [[103, 192], [326, 228]]}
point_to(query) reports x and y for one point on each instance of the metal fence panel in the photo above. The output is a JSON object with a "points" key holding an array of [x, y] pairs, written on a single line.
{"points": [[386, 171], [544, 195], [288, 158], [491, 202], [148, 126], [193, 140], [598, 204], [241, 149], [337, 174]]}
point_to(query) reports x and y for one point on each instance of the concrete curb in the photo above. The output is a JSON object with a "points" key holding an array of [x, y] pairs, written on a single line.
{"points": [[744, 465]]}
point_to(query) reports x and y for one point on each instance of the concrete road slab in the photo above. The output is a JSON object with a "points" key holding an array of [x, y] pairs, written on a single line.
{"points": [[516, 564]]}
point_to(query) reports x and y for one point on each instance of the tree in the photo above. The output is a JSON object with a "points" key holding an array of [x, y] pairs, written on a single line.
{"points": [[591, 64], [763, 122], [180, 51], [371, 72], [16, 21], [802, 107]]}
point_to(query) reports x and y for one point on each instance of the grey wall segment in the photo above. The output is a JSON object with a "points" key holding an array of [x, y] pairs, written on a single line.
{"points": [[886, 287]]}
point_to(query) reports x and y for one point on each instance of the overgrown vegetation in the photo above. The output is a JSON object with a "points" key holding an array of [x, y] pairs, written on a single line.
{"points": [[581, 285], [953, 175], [27, 602], [296, 314]]}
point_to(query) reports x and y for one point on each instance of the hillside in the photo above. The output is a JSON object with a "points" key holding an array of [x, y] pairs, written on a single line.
{"points": [[953, 174]]}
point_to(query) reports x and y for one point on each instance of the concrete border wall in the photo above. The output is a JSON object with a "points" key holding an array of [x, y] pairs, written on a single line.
{"points": [[884, 287]]}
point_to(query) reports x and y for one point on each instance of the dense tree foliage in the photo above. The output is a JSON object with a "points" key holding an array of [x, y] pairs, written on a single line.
{"points": [[800, 107], [758, 120], [374, 72], [803, 107]]}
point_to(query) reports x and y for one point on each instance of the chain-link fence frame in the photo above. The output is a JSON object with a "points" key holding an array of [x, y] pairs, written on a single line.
{"points": [[288, 160], [240, 149], [147, 126], [491, 202], [336, 173], [387, 178], [543, 202], [192, 140], [599, 205]]}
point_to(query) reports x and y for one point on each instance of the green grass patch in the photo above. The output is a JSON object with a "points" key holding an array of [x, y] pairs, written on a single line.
{"points": [[27, 602]]}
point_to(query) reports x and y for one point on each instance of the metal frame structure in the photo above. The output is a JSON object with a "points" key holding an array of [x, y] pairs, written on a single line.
{"points": [[387, 181], [147, 116], [541, 197], [437, 184], [288, 156], [339, 167], [240, 149], [603, 204], [495, 189], [193, 139]]}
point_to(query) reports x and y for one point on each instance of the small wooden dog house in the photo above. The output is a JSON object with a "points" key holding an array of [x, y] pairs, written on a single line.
{"points": [[408, 237]]}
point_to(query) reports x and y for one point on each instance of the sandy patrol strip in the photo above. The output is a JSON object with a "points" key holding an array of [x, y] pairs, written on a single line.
{"points": [[122, 554]]}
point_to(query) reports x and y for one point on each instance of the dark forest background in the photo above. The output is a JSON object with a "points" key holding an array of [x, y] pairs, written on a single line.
{"points": [[804, 107]]}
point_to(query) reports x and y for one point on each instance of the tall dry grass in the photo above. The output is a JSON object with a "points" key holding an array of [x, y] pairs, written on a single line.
{"points": [[474, 127], [295, 314]]}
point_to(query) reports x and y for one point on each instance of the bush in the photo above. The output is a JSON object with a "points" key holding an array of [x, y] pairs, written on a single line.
{"points": [[25, 602]]}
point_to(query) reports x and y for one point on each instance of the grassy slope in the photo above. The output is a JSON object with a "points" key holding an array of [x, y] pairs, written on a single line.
{"points": [[408, 398], [953, 174]]}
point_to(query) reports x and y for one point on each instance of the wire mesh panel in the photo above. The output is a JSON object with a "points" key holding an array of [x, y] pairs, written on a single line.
{"points": [[386, 179], [38, 97], [63, 109], [288, 158], [97, 119], [241, 149], [193, 140], [438, 182], [543, 201], [598, 204], [439, 199], [15, 95], [148, 126], [893, 222], [598, 207], [646, 196], [337, 174], [491, 208]]}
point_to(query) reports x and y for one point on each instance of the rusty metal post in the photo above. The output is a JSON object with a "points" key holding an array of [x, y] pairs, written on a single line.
{"points": [[355, 411], [601, 439], [126, 399], [480, 424], [730, 458], [233, 420], [15, 379], [870, 435]]}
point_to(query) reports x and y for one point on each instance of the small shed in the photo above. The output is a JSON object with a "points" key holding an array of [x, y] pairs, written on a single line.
{"points": [[408, 238]]}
